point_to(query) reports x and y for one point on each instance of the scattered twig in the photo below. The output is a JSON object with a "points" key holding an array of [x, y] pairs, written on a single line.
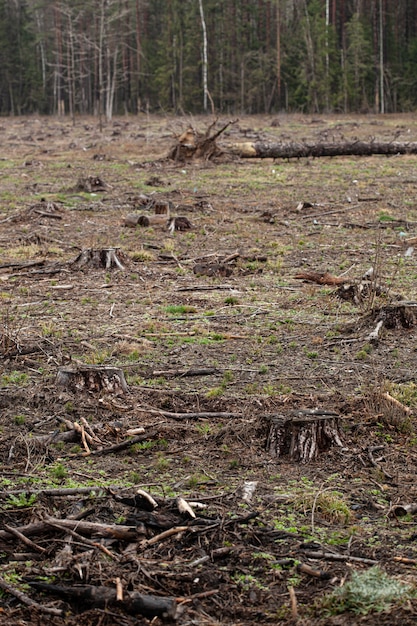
{"points": [[84, 540], [165, 535], [293, 600], [123, 445], [22, 597], [205, 287], [185, 416], [23, 539], [332, 556], [208, 371], [371, 450], [315, 573]]}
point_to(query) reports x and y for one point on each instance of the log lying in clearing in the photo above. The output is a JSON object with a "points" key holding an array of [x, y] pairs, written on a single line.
{"points": [[277, 150], [134, 603]]}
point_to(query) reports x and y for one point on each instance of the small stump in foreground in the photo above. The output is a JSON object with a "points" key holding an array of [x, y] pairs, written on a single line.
{"points": [[302, 435], [93, 378]]}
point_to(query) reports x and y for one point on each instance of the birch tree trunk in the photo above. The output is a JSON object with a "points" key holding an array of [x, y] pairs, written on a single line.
{"points": [[205, 64]]}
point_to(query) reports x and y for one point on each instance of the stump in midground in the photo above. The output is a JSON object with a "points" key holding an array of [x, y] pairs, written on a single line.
{"points": [[106, 258], [93, 378], [402, 314], [302, 435]]}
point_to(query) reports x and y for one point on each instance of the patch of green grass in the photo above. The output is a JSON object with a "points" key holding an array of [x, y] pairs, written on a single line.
{"points": [[363, 354], [58, 472], [14, 378], [162, 462], [142, 256], [204, 429], [215, 392], [330, 504], [179, 309], [230, 300], [383, 216], [197, 479], [21, 501], [366, 592], [404, 392], [247, 582]]}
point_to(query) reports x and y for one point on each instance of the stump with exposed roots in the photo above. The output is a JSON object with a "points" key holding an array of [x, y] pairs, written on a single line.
{"points": [[302, 435], [96, 258], [95, 378]]}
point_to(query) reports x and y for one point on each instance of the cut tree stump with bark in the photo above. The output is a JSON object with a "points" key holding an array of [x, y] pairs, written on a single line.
{"points": [[302, 435], [91, 184], [292, 150], [93, 378], [106, 258]]}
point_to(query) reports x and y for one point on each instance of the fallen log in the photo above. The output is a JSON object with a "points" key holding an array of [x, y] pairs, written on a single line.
{"points": [[113, 531], [293, 150], [93, 596], [321, 278]]}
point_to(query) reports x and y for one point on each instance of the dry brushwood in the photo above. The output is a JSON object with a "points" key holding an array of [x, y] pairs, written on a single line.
{"points": [[194, 145], [302, 435]]}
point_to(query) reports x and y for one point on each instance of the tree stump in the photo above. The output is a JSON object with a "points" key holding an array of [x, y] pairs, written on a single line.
{"points": [[401, 314], [93, 378], [91, 184], [178, 223], [192, 144], [162, 207], [107, 258], [302, 435]]}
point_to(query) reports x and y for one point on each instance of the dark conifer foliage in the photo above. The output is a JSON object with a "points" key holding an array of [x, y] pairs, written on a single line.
{"points": [[108, 57]]}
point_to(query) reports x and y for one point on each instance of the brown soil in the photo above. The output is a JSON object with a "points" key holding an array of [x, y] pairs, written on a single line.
{"points": [[205, 320]]}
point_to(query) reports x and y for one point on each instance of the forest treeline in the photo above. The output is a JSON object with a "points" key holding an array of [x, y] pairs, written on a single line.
{"points": [[105, 57]]}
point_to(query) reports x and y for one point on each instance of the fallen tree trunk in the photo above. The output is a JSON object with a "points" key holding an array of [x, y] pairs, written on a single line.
{"points": [[277, 150], [92, 596]]}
